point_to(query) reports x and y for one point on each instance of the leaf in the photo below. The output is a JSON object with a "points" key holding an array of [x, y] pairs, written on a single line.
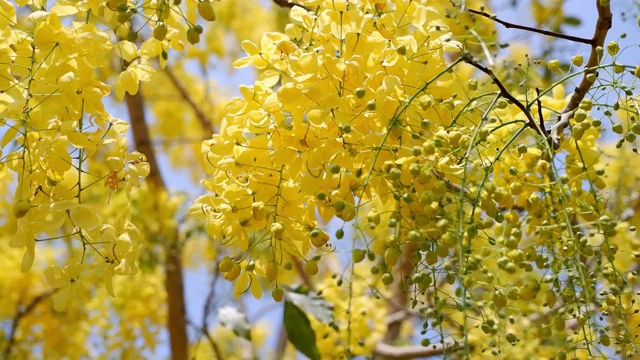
{"points": [[256, 288], [313, 305], [233, 319], [61, 299], [299, 331], [9, 136], [572, 21]]}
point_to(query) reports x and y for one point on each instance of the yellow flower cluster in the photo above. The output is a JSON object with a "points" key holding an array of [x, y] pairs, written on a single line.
{"points": [[359, 114], [340, 98], [59, 140]]}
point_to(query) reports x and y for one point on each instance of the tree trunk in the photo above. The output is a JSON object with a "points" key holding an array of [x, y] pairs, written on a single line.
{"points": [[174, 283]]}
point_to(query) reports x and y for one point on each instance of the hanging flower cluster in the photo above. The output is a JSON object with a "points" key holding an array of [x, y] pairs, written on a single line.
{"points": [[364, 113]]}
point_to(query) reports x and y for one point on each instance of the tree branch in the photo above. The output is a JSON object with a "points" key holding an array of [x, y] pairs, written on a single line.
{"points": [[142, 138], [510, 25], [203, 119], [174, 281], [208, 304], [506, 94], [205, 333], [603, 24], [15, 323]]}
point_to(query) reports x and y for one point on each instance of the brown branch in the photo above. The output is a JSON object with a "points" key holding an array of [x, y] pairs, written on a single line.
{"points": [[203, 119], [174, 280], [603, 24], [15, 323], [205, 333], [398, 302], [142, 138], [510, 25], [413, 351], [506, 94], [208, 304]]}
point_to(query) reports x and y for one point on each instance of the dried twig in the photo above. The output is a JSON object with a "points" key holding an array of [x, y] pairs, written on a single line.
{"points": [[510, 25], [601, 29]]}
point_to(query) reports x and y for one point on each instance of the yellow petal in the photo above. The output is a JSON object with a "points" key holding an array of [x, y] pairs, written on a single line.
{"points": [[56, 277], [127, 50], [256, 289], [127, 81], [64, 10], [272, 104], [317, 117], [269, 77], [108, 283], [27, 258], [84, 217], [243, 62], [61, 299], [241, 285]]}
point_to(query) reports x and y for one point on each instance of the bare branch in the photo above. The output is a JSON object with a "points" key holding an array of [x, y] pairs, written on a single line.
{"points": [[510, 25], [506, 94], [603, 24], [208, 304], [205, 333]]}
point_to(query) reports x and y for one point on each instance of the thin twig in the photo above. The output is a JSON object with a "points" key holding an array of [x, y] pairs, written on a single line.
{"points": [[205, 333], [509, 25], [603, 24], [203, 119], [539, 102], [506, 94], [208, 304]]}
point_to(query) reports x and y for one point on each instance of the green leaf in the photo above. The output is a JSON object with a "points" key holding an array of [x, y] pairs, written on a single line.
{"points": [[233, 319], [312, 305], [299, 331], [572, 21]]}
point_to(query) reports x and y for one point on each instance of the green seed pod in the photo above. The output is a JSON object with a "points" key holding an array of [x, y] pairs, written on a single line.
{"points": [[192, 36], [160, 31]]}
